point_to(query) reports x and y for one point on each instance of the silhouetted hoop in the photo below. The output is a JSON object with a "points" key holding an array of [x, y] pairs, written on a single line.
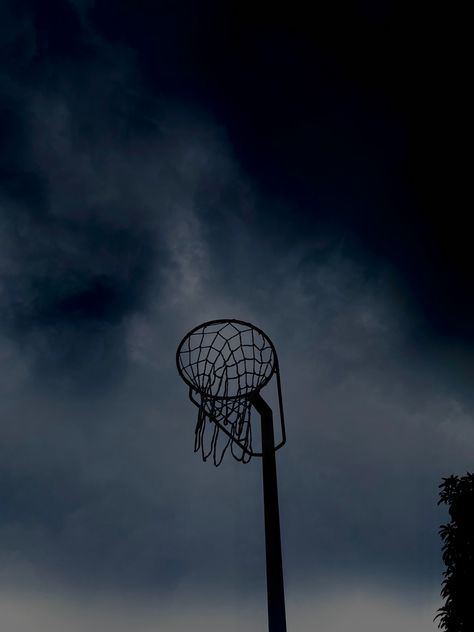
{"points": [[224, 362]]}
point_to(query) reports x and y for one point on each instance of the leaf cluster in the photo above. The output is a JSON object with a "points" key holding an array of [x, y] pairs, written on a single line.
{"points": [[456, 615]]}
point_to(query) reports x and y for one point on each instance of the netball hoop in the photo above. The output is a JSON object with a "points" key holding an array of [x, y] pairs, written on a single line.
{"points": [[225, 364]]}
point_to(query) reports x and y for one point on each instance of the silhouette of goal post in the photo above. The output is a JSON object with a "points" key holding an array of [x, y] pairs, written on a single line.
{"points": [[225, 364]]}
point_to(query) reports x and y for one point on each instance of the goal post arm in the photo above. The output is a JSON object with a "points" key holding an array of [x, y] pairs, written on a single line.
{"points": [[274, 563]]}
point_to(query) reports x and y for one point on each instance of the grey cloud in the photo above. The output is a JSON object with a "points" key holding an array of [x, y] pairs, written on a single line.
{"points": [[102, 180]]}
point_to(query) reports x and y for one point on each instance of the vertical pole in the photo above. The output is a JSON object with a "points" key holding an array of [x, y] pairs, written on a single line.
{"points": [[275, 586]]}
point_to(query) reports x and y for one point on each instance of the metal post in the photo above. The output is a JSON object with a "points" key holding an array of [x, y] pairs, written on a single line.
{"points": [[275, 586]]}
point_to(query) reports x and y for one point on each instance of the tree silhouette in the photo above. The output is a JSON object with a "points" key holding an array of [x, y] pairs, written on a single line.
{"points": [[457, 613]]}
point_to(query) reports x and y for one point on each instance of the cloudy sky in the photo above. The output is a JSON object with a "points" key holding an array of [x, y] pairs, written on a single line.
{"points": [[166, 163]]}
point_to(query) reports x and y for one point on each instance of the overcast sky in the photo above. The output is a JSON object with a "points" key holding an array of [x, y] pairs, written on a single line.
{"points": [[164, 166]]}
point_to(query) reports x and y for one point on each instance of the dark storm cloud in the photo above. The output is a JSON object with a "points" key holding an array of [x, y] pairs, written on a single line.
{"points": [[76, 263], [329, 114], [129, 215], [342, 111], [102, 193]]}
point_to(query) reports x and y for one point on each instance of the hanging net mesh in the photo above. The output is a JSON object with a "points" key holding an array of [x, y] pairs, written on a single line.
{"points": [[224, 362]]}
